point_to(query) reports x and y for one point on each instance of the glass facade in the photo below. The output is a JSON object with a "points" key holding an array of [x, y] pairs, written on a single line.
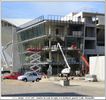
{"points": [[32, 32]]}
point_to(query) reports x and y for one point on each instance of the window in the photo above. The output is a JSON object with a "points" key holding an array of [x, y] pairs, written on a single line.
{"points": [[34, 74], [57, 31], [79, 18]]}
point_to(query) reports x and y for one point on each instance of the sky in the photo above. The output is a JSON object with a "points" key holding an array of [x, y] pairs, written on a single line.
{"points": [[31, 10]]}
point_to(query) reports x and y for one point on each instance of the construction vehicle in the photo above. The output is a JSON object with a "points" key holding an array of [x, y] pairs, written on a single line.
{"points": [[86, 69], [35, 58], [67, 70]]}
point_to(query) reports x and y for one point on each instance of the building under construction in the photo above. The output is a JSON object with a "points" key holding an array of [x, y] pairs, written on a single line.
{"points": [[79, 34]]}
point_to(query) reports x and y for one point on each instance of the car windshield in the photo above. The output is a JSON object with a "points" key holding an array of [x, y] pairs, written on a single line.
{"points": [[30, 73], [27, 73]]}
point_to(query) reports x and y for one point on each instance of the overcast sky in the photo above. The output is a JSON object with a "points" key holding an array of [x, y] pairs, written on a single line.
{"points": [[24, 11]]}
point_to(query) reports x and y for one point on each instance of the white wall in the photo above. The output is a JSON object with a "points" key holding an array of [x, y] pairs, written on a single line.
{"points": [[101, 20], [97, 67]]}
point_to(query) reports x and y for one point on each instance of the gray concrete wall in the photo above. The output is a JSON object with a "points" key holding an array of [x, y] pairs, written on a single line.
{"points": [[8, 35], [6, 38]]}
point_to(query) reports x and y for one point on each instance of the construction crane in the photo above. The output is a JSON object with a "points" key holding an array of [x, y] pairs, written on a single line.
{"points": [[68, 69], [65, 71], [84, 59]]}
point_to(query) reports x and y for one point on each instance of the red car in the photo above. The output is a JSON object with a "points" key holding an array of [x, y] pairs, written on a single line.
{"points": [[13, 75]]}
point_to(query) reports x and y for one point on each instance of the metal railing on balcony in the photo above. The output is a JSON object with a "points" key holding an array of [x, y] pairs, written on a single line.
{"points": [[56, 18], [77, 33], [34, 21]]}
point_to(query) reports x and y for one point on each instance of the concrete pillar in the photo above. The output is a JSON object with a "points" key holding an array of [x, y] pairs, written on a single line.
{"points": [[83, 49], [95, 35], [50, 56], [65, 30], [16, 56]]}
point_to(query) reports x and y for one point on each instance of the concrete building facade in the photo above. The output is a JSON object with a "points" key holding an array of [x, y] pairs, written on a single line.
{"points": [[85, 30], [8, 38], [78, 33]]}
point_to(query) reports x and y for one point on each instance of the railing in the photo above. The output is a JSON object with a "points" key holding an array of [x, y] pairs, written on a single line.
{"points": [[100, 49], [90, 35], [90, 51], [63, 18], [62, 63], [50, 18], [77, 33], [36, 20]]}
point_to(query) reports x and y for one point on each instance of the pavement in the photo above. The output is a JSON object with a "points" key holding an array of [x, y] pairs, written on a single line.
{"points": [[51, 87]]}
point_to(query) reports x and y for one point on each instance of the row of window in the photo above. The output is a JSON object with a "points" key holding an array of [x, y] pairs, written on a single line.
{"points": [[31, 33]]}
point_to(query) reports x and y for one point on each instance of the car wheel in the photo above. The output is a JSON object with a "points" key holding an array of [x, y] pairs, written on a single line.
{"points": [[33, 81], [6, 78], [25, 80], [37, 80]]}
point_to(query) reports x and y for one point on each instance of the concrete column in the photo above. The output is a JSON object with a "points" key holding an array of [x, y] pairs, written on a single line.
{"points": [[16, 56], [50, 42], [95, 35], [65, 30], [50, 58], [83, 49], [84, 39]]}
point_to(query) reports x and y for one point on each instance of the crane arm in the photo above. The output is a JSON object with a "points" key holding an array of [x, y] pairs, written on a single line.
{"points": [[85, 60], [58, 44]]}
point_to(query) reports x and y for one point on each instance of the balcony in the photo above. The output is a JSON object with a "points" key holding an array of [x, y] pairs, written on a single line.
{"points": [[90, 38], [90, 51], [46, 48], [62, 63], [53, 48], [77, 33], [89, 22], [100, 21], [100, 49]]}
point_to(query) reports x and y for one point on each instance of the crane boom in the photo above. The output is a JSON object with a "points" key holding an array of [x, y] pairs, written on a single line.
{"points": [[65, 70]]}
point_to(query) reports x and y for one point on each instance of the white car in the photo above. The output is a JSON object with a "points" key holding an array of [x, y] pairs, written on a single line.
{"points": [[30, 76]]}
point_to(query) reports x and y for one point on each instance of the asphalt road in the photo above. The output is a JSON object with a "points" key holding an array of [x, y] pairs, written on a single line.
{"points": [[52, 88]]}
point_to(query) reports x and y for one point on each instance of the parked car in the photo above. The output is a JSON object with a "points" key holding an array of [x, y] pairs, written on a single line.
{"points": [[30, 76], [13, 75]]}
